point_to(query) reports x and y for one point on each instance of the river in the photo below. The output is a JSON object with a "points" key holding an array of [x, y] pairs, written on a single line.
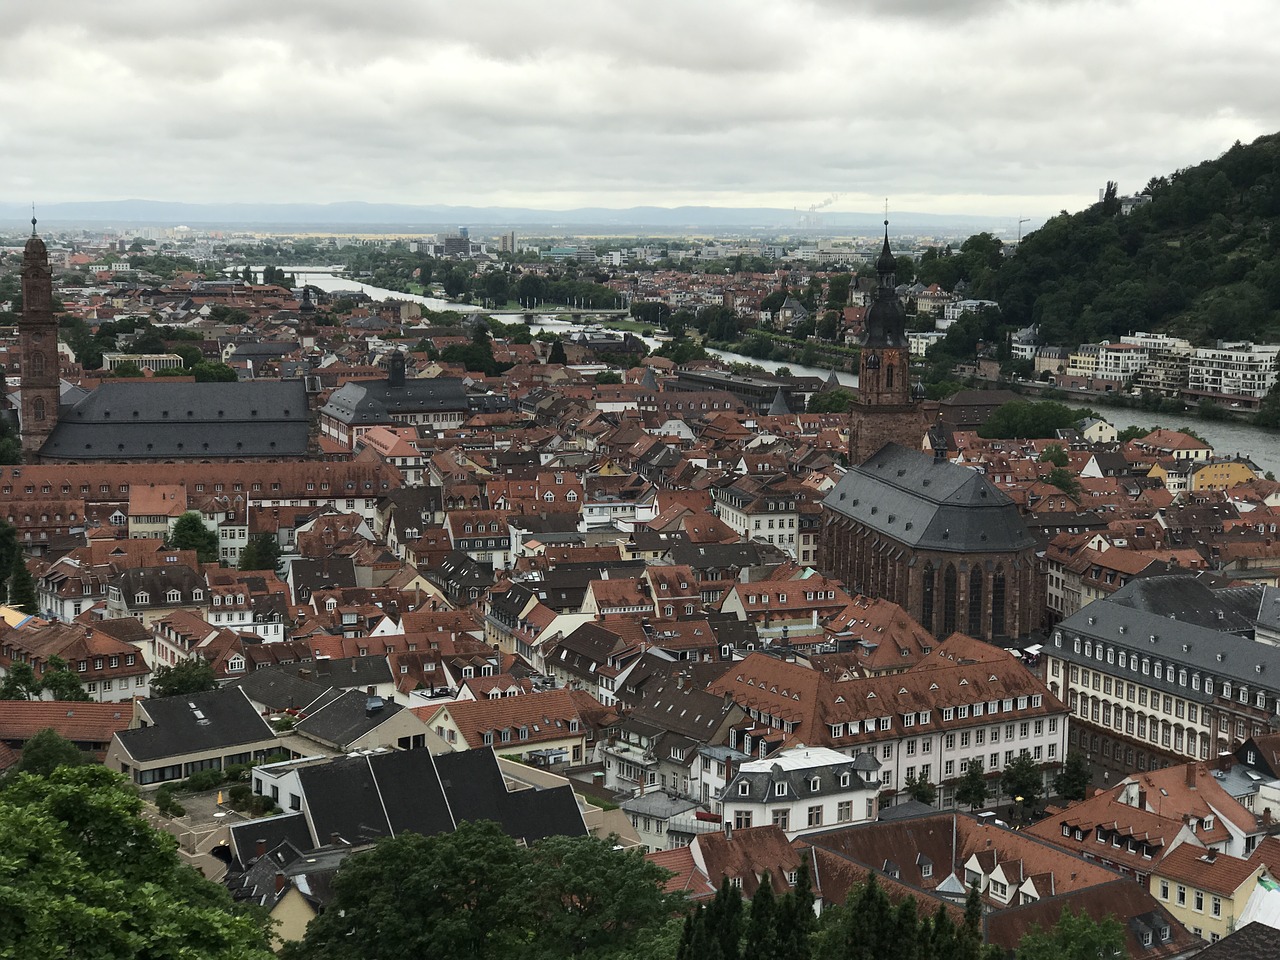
{"points": [[327, 280], [772, 366], [1226, 437]]}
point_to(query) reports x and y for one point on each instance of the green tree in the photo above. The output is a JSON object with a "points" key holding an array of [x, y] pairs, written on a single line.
{"points": [[206, 372], [19, 682], [61, 681], [839, 400], [262, 552], [183, 678], [46, 751], [1029, 420], [715, 929], [608, 377], [1076, 936], [1073, 781], [22, 588], [1055, 455], [829, 326], [126, 369], [763, 923], [1023, 778], [190, 533], [474, 894], [590, 899], [1064, 480], [1132, 433], [557, 354], [920, 789], [971, 789], [84, 875]]}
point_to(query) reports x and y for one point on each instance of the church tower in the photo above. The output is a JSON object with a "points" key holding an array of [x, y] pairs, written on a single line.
{"points": [[884, 368], [886, 410], [38, 347]]}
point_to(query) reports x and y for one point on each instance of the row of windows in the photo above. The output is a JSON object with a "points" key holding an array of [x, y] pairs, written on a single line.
{"points": [[1162, 670], [1215, 903], [112, 661]]}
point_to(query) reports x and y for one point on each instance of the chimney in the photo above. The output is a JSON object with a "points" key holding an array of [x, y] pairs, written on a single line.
{"points": [[1142, 799], [335, 838], [1191, 775], [728, 829], [279, 883], [260, 848]]}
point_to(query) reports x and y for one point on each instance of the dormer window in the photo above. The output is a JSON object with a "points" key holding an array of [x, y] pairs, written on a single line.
{"points": [[779, 789], [744, 789], [814, 784]]}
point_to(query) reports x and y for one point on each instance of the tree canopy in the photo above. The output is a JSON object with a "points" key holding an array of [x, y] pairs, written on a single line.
{"points": [[83, 875], [839, 400], [1030, 420], [194, 675], [972, 789], [46, 751], [1073, 781], [262, 552], [190, 533], [474, 894], [1076, 936]]}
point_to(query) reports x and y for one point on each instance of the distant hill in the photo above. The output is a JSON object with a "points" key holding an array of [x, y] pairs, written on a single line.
{"points": [[392, 217], [1201, 260]]}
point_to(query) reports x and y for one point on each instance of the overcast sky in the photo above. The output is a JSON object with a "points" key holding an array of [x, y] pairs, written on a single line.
{"points": [[945, 106]]}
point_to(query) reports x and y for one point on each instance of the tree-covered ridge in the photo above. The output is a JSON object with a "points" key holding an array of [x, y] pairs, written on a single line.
{"points": [[1199, 260]]}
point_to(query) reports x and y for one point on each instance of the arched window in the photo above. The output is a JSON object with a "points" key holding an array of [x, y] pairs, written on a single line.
{"points": [[37, 408], [949, 590], [926, 606], [975, 602], [997, 603]]}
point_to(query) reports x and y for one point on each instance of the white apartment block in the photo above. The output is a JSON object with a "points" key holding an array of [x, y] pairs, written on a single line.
{"points": [[1243, 370]]}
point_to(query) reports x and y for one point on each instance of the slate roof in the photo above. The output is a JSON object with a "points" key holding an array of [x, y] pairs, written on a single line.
{"points": [[476, 789], [213, 720], [1212, 652], [375, 795], [346, 719], [352, 672], [273, 830], [1254, 941], [375, 401], [929, 504], [280, 688], [184, 420], [1189, 599], [763, 778]]}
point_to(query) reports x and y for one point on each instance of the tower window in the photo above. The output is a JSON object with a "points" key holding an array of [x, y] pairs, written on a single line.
{"points": [[37, 408]]}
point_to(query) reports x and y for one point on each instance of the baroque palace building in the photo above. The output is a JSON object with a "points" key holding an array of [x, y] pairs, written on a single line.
{"points": [[937, 539]]}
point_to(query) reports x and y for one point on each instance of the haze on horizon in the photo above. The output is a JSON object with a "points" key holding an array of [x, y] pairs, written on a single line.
{"points": [[990, 107]]}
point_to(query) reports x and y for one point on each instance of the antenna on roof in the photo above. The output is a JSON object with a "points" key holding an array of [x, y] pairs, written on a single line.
{"points": [[33, 218]]}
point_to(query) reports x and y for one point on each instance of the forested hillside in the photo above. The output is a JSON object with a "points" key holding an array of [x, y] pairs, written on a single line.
{"points": [[1201, 260]]}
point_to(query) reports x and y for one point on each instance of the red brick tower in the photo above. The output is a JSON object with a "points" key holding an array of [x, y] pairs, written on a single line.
{"points": [[38, 347], [885, 410]]}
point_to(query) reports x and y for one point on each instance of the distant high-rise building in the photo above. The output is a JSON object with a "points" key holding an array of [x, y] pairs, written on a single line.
{"points": [[507, 242]]}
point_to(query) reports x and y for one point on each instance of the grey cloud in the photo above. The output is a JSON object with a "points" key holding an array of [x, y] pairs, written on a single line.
{"points": [[980, 103]]}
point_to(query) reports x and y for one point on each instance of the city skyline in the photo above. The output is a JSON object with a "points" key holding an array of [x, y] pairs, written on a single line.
{"points": [[982, 108]]}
